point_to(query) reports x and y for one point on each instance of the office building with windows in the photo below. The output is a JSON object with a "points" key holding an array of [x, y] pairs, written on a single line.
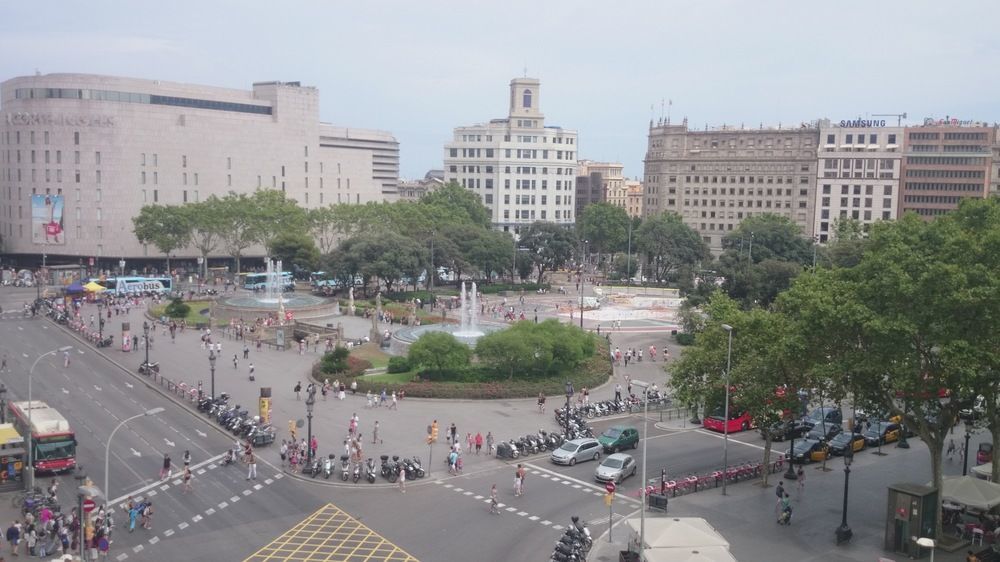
{"points": [[717, 177], [595, 181], [858, 175], [81, 154], [945, 162], [522, 169]]}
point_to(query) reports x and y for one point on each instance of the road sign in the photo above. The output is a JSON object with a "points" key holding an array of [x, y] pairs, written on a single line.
{"points": [[610, 486], [89, 505]]}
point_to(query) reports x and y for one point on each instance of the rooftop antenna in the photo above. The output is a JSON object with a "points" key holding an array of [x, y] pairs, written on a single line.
{"points": [[899, 117], [670, 104]]}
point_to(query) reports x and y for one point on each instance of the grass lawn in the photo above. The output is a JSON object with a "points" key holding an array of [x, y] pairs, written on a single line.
{"points": [[194, 315], [391, 378], [371, 353]]}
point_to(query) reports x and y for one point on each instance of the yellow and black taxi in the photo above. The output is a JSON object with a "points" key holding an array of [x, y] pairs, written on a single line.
{"points": [[808, 450], [881, 433], [840, 443]]}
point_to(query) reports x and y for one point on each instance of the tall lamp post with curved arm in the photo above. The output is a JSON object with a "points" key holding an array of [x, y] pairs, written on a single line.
{"points": [[107, 447]]}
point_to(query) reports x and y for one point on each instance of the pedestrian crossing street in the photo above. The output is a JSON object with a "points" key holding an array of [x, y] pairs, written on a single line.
{"points": [[176, 532]]}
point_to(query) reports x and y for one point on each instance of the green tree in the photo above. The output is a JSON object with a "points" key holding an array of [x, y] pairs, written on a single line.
{"points": [[549, 245], [329, 224], [668, 244], [296, 250], [847, 243], [239, 224], [164, 226], [605, 226], [207, 227], [491, 253], [458, 203], [275, 215], [506, 352], [915, 318], [439, 352], [772, 237]]}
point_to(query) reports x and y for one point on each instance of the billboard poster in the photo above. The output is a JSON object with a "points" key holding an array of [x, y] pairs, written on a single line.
{"points": [[47, 219]]}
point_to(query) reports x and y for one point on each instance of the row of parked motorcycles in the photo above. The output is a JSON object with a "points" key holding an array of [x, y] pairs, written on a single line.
{"points": [[412, 466], [237, 420], [577, 426], [612, 407], [34, 501], [574, 544], [327, 467], [531, 444]]}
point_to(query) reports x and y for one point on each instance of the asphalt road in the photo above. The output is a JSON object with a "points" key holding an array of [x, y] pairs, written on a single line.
{"points": [[95, 395]]}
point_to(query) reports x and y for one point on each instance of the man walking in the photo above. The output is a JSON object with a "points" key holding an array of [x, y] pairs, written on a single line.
{"points": [[246, 351], [165, 471], [618, 391], [298, 390], [521, 472], [252, 464]]}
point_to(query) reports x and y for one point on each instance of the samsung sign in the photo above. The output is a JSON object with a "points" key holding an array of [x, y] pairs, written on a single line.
{"points": [[863, 123]]}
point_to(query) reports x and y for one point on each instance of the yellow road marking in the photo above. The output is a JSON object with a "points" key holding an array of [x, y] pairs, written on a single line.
{"points": [[332, 535]]}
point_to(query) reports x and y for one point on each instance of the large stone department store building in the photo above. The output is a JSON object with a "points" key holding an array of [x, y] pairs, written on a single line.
{"points": [[81, 154]]}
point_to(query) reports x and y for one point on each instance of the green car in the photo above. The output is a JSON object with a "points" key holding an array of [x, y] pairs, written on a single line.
{"points": [[616, 438]]}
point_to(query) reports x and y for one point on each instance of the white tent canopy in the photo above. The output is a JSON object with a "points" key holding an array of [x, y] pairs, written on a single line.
{"points": [[983, 470], [675, 532], [971, 492], [692, 554]]}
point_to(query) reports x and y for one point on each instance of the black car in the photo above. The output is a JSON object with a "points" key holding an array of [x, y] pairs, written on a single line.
{"points": [[808, 450], [781, 431], [881, 433], [824, 431], [840, 443], [830, 414]]}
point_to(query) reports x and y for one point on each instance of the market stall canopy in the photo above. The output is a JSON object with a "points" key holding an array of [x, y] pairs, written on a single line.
{"points": [[678, 533], [693, 554], [94, 287], [983, 470], [971, 492], [75, 288]]}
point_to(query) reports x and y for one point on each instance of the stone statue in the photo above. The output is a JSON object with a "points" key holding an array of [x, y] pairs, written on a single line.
{"points": [[350, 301]]}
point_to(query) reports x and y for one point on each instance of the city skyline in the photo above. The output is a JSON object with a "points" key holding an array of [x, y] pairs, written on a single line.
{"points": [[418, 71]]}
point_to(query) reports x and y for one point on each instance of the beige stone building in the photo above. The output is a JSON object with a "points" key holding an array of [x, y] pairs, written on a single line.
{"points": [[715, 178], [522, 169], [413, 190], [633, 198], [597, 182], [81, 154], [858, 174]]}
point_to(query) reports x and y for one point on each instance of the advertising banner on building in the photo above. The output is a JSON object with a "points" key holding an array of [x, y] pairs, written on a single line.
{"points": [[47, 219]]}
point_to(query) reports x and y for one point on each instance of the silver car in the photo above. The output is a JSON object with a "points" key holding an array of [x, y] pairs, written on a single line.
{"points": [[616, 467], [582, 449]]}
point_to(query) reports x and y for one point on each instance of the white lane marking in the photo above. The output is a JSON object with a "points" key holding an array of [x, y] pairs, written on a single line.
{"points": [[168, 532], [122, 556], [717, 436], [177, 482], [534, 518], [569, 479], [21, 328], [558, 527], [257, 486], [24, 354], [512, 509], [458, 489], [247, 492], [128, 384], [169, 442], [201, 433], [439, 481], [196, 519], [165, 487], [278, 476], [151, 493], [478, 497], [268, 481], [522, 513], [210, 511], [173, 428], [201, 471], [466, 493], [211, 466], [183, 525], [449, 485], [155, 484], [234, 499], [97, 388], [546, 522], [577, 486], [134, 452], [154, 540], [64, 391], [137, 548], [223, 505]]}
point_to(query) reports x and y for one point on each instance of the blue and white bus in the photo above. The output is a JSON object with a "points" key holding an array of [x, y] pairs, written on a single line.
{"points": [[134, 285], [257, 281]]}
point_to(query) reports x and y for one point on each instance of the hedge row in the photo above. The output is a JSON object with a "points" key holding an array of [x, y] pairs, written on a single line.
{"points": [[592, 373]]}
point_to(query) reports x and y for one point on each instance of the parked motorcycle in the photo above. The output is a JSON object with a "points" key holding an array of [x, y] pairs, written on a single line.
{"points": [[345, 467], [370, 470], [328, 466]]}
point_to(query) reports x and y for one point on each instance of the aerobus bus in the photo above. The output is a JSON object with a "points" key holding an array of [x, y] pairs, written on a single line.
{"points": [[52, 441], [136, 285], [257, 281]]}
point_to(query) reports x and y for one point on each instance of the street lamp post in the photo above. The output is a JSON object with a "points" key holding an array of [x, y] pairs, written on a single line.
{"points": [[642, 489], [583, 260], [725, 424], [628, 259], [844, 532], [965, 457], [145, 336], [100, 322], [310, 402], [569, 394], [3, 403], [107, 447], [211, 364], [30, 480]]}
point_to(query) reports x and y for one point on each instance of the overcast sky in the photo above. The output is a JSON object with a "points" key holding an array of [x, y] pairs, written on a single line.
{"points": [[418, 68]]}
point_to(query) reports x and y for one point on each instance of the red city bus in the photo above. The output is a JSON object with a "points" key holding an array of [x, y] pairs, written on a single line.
{"points": [[53, 442]]}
